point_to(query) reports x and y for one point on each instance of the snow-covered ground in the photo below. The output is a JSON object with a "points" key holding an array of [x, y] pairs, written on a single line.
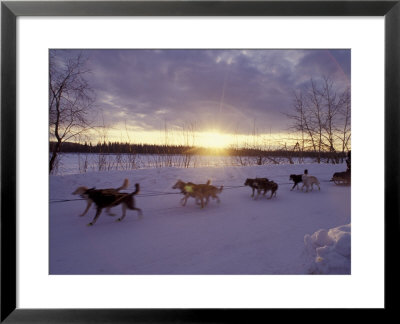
{"points": [[293, 233]]}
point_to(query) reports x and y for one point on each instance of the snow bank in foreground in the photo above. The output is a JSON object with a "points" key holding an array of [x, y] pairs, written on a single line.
{"points": [[330, 250]]}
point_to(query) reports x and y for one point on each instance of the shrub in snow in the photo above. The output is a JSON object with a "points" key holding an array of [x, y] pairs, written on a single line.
{"points": [[329, 250]]}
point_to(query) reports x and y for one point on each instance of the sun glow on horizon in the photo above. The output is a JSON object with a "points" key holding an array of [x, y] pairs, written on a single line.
{"points": [[214, 139]]}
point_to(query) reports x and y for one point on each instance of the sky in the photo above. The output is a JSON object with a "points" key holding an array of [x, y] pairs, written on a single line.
{"points": [[223, 95]]}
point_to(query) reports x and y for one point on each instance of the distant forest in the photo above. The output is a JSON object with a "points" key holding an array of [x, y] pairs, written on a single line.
{"points": [[126, 148]]}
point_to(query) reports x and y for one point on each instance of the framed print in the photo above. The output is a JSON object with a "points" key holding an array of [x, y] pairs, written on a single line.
{"points": [[197, 116]]}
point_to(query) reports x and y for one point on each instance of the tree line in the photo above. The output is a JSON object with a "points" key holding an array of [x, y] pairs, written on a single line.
{"points": [[127, 148]]}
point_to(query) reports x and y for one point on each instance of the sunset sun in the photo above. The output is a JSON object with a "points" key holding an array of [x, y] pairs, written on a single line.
{"points": [[214, 139]]}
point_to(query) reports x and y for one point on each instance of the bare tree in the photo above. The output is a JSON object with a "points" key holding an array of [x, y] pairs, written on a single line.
{"points": [[322, 118], [316, 116], [70, 99], [303, 122], [344, 114], [332, 105]]}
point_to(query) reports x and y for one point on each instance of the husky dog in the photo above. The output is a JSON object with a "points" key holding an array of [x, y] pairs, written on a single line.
{"points": [[343, 177], [81, 191], [253, 184], [267, 186], [296, 178], [106, 200], [212, 191], [198, 191], [309, 181]]}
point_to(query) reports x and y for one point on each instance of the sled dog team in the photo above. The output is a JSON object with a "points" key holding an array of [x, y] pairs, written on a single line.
{"points": [[111, 197]]}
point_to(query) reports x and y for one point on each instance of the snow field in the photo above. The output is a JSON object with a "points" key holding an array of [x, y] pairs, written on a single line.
{"points": [[287, 234]]}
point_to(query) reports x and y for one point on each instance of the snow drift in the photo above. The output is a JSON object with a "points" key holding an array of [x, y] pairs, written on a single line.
{"points": [[330, 250]]}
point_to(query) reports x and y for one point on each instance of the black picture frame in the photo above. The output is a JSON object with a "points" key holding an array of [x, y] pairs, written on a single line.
{"points": [[10, 10]]}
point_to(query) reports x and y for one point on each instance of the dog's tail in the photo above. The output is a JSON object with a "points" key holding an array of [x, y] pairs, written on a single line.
{"points": [[124, 185], [137, 186], [208, 182]]}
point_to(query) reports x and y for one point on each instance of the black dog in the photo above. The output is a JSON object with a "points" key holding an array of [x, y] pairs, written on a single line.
{"points": [[296, 178]]}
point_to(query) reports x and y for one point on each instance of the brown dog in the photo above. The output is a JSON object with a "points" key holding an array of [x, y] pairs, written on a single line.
{"points": [[267, 186], [253, 184], [198, 191], [108, 200], [211, 192], [82, 190]]}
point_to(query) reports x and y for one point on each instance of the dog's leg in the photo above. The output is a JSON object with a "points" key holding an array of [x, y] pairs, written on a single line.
{"points": [[95, 217], [132, 207], [123, 213], [109, 212], [184, 200], [294, 185], [197, 200], [140, 213], [89, 203]]}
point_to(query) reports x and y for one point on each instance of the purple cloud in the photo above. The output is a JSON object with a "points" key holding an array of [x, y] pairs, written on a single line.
{"points": [[223, 89]]}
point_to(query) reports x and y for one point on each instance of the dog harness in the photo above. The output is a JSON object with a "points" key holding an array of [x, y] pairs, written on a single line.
{"points": [[188, 188]]}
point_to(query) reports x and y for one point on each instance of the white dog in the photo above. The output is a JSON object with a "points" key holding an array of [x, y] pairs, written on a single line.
{"points": [[309, 181]]}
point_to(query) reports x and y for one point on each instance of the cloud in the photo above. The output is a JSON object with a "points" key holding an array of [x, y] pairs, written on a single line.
{"points": [[221, 89]]}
